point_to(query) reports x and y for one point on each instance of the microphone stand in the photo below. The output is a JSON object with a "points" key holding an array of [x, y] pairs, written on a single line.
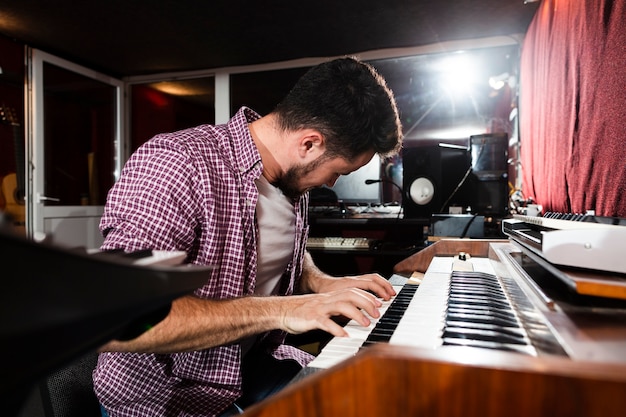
{"points": [[381, 180]]}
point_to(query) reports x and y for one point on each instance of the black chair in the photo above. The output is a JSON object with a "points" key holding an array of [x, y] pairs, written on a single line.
{"points": [[68, 392]]}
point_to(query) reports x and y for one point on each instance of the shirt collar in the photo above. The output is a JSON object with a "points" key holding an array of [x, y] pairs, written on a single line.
{"points": [[246, 154]]}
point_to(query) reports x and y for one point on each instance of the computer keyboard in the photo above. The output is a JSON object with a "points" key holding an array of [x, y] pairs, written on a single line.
{"points": [[339, 243]]}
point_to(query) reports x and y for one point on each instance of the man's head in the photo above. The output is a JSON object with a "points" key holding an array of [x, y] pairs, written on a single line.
{"points": [[349, 103], [352, 115], [324, 170]]}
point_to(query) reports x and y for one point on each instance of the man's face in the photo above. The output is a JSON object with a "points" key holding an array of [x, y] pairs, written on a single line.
{"points": [[322, 171]]}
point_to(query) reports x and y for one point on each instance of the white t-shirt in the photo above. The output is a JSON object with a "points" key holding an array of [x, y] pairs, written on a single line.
{"points": [[277, 221]]}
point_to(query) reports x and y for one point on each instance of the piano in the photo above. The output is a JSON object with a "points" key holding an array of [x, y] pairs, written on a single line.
{"points": [[59, 303], [479, 328]]}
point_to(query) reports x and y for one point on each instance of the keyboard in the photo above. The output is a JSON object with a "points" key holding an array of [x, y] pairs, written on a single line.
{"points": [[594, 243], [455, 304], [339, 243]]}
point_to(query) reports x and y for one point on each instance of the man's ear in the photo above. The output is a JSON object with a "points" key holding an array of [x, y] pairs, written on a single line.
{"points": [[312, 144]]}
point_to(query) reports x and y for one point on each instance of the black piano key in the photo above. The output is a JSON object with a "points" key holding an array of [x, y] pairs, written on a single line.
{"points": [[377, 338], [482, 318], [472, 301], [491, 286], [544, 340], [485, 335], [474, 277], [391, 316], [512, 331], [493, 283], [480, 314], [480, 294], [482, 309], [527, 350], [386, 325]]}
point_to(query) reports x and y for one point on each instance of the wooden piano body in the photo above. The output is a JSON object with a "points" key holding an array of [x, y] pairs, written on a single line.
{"points": [[391, 380]]}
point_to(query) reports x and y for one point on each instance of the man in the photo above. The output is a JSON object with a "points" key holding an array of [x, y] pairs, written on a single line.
{"points": [[235, 196]]}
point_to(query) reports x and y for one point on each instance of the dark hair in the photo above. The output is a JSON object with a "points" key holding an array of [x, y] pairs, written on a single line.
{"points": [[349, 103]]}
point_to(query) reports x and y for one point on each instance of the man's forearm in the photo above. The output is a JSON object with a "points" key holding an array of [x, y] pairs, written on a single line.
{"points": [[195, 324], [311, 275]]}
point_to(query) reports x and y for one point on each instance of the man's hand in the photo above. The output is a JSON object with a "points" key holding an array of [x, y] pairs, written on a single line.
{"points": [[314, 280], [373, 283], [302, 313]]}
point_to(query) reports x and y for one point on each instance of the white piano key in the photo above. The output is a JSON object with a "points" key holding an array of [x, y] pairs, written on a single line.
{"points": [[483, 265], [423, 320], [440, 264], [341, 348]]}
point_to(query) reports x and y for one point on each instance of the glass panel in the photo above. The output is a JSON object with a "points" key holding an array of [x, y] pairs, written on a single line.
{"points": [[167, 106], [79, 137], [12, 171], [444, 98], [447, 97]]}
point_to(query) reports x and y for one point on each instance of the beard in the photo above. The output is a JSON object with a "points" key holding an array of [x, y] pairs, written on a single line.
{"points": [[289, 182]]}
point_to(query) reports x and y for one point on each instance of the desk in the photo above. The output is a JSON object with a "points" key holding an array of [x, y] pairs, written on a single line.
{"points": [[396, 239]]}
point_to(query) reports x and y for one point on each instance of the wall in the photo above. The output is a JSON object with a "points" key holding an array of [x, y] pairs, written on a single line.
{"points": [[573, 107], [155, 112]]}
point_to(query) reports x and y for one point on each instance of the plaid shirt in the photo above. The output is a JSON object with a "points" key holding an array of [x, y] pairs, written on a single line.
{"points": [[192, 190]]}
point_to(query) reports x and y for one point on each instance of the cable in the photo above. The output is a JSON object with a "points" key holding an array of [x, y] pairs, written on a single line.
{"points": [[456, 189], [467, 226]]}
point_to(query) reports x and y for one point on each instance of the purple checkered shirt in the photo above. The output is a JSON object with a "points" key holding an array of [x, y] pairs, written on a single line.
{"points": [[192, 190]]}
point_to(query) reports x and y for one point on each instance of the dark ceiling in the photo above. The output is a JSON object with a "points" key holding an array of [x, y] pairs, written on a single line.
{"points": [[137, 37]]}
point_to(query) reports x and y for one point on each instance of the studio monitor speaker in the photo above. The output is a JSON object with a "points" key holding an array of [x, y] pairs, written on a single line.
{"points": [[491, 196], [431, 175], [490, 173]]}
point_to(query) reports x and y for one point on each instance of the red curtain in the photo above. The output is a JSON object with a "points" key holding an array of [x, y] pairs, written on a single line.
{"points": [[573, 107]]}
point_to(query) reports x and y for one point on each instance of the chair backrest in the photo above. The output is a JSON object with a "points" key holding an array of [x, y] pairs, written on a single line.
{"points": [[68, 392]]}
